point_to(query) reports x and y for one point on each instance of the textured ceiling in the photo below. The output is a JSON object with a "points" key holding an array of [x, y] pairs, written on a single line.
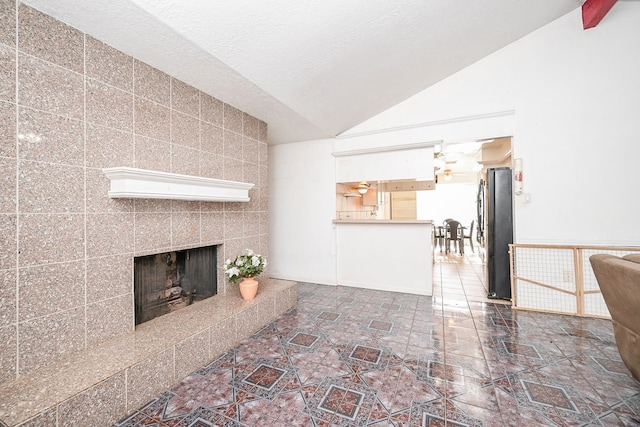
{"points": [[310, 69]]}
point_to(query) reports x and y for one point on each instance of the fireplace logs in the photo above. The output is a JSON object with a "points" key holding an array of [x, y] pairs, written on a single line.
{"points": [[168, 281]]}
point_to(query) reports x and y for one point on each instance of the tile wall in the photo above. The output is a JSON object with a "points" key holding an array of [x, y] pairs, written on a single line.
{"points": [[71, 105]]}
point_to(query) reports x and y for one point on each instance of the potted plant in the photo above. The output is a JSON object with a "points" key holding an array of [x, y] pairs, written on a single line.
{"points": [[243, 269]]}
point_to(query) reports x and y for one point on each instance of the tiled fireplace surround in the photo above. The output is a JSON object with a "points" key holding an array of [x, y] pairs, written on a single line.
{"points": [[69, 106]]}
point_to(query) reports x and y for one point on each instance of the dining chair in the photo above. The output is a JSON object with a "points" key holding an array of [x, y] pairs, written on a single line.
{"points": [[469, 236], [438, 236], [441, 233], [454, 233]]}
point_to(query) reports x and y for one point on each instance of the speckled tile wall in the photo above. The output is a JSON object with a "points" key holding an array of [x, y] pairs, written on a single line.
{"points": [[71, 105]]}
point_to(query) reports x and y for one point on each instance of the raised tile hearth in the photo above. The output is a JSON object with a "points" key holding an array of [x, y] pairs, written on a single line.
{"points": [[100, 385]]}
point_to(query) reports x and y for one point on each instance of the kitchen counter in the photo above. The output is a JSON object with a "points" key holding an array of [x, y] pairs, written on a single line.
{"points": [[385, 254], [382, 221]]}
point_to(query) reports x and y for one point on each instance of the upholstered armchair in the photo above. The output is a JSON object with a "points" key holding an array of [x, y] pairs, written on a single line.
{"points": [[619, 281]]}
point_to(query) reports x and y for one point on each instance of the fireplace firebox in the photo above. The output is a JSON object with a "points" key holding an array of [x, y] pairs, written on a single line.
{"points": [[168, 281]]}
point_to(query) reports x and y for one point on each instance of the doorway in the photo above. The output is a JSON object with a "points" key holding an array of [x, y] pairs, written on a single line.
{"points": [[459, 169]]}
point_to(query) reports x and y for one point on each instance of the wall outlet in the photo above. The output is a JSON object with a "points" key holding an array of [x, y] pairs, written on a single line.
{"points": [[567, 276]]}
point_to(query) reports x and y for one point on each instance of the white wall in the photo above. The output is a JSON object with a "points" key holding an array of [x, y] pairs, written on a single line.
{"points": [[367, 258], [302, 198], [413, 163], [574, 98], [576, 101], [457, 201]]}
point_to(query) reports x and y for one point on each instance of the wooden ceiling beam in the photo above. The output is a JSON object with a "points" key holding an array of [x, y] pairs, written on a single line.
{"points": [[594, 10]]}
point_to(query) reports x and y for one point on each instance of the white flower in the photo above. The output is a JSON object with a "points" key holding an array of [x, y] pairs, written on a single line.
{"points": [[247, 264]]}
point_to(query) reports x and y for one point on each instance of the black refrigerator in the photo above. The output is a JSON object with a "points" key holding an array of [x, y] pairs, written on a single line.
{"points": [[499, 231]]}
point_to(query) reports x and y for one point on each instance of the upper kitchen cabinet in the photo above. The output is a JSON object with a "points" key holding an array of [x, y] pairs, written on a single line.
{"points": [[406, 185], [370, 198]]}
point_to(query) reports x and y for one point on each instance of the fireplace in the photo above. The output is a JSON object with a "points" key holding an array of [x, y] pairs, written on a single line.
{"points": [[168, 281]]}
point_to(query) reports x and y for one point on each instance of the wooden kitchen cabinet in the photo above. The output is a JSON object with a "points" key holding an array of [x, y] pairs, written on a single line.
{"points": [[403, 205], [407, 186], [370, 198], [426, 185]]}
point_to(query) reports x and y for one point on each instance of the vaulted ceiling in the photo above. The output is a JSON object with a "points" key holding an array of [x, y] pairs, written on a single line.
{"points": [[310, 69]]}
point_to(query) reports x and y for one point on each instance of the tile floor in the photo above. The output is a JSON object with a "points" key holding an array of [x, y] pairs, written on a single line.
{"points": [[356, 357]]}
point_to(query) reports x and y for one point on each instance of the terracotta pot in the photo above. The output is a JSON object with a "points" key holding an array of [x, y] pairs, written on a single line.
{"points": [[248, 287]]}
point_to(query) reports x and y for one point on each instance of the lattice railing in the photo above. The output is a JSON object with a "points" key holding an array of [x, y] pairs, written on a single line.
{"points": [[558, 278]]}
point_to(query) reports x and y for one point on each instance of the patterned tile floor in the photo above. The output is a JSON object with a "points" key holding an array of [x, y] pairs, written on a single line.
{"points": [[357, 357]]}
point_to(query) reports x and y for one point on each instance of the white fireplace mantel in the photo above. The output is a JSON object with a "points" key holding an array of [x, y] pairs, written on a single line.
{"points": [[133, 183]]}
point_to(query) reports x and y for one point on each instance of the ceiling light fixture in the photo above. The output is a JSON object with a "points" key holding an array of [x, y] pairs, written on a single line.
{"points": [[363, 187]]}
